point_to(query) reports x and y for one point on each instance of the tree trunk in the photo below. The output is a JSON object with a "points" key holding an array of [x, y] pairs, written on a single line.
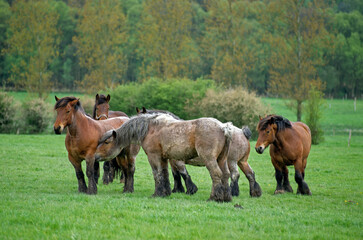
{"points": [[299, 110]]}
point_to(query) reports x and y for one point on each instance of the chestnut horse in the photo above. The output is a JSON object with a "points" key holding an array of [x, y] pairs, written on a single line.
{"points": [[238, 155], [162, 137], [101, 112], [83, 134], [290, 144]]}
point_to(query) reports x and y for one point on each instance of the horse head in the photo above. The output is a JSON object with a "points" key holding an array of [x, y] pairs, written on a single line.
{"points": [[65, 107], [101, 108], [267, 129], [107, 146]]}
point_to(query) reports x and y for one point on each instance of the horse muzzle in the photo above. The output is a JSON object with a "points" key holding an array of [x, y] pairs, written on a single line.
{"points": [[260, 149], [58, 130]]}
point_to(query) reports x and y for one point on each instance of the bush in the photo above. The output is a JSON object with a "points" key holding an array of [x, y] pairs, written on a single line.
{"points": [[8, 123], [88, 103], [314, 113], [37, 116], [235, 105], [172, 95]]}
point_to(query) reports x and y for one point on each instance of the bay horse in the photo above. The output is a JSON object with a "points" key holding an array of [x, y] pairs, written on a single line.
{"points": [[290, 144], [101, 112], [162, 137], [83, 134], [237, 156]]}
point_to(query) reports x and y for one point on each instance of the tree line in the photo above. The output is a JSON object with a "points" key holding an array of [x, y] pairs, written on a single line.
{"points": [[273, 47]]}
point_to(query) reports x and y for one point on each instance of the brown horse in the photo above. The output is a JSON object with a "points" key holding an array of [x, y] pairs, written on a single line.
{"points": [[162, 137], [83, 134], [238, 155], [101, 112], [290, 144]]}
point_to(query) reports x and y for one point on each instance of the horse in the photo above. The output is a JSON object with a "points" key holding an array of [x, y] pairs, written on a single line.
{"points": [[238, 155], [162, 137], [290, 144], [83, 134], [101, 112]]}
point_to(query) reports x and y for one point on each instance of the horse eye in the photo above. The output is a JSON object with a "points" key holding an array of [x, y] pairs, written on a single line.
{"points": [[68, 111], [268, 132]]}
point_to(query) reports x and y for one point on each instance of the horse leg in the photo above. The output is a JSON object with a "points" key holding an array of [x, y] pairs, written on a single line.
{"points": [[225, 177], [106, 172], [189, 184], [178, 186], [79, 173], [97, 171], [217, 193], [128, 169], [279, 177], [255, 189], [90, 171], [232, 165], [159, 167], [299, 178], [286, 183]]}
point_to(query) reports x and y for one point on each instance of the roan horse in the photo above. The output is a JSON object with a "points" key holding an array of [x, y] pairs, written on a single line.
{"points": [[83, 134], [290, 144], [238, 155], [162, 137], [101, 112]]}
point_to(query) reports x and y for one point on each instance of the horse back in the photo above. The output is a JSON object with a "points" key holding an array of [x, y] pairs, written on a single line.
{"points": [[113, 114], [305, 136]]}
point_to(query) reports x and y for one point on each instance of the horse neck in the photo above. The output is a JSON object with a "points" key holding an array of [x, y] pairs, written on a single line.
{"points": [[283, 137], [79, 121]]}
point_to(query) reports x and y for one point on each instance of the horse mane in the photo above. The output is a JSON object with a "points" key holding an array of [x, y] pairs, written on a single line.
{"points": [[281, 122], [136, 129], [64, 101]]}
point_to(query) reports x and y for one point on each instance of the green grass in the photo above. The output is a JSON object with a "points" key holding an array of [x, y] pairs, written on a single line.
{"points": [[39, 199]]}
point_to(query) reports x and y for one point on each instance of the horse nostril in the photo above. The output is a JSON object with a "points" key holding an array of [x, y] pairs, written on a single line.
{"points": [[57, 130], [259, 149]]}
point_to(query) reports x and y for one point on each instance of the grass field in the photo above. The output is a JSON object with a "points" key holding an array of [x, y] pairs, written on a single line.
{"points": [[39, 199]]}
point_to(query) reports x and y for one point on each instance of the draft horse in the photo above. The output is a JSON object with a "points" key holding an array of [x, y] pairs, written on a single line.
{"points": [[237, 156], [83, 134], [290, 144], [162, 137], [101, 112]]}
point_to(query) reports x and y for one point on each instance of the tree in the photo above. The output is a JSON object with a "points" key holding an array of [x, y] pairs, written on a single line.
{"points": [[101, 34], [32, 44], [232, 41], [166, 47], [297, 40], [5, 14]]}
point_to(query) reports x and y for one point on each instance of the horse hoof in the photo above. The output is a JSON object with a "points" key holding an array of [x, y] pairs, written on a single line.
{"points": [[192, 190], [279, 192]]}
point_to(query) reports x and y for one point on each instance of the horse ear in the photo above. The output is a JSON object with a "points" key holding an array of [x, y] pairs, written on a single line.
{"points": [[137, 110], [97, 97], [74, 102], [144, 110], [56, 98], [114, 134], [108, 98]]}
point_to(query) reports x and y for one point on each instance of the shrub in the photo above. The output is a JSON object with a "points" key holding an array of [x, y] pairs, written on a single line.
{"points": [[171, 95], [87, 103], [234, 105], [8, 122], [37, 116], [314, 113]]}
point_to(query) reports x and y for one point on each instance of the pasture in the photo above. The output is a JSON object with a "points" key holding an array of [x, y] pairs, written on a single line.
{"points": [[40, 200]]}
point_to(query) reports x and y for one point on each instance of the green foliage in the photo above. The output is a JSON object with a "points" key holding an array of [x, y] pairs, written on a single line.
{"points": [[314, 114], [234, 105], [37, 116], [7, 113], [171, 95]]}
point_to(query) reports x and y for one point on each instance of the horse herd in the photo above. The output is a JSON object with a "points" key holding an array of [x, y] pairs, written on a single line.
{"points": [[113, 137]]}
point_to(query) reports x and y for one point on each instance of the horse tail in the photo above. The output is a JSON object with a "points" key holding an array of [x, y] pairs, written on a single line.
{"points": [[227, 130], [247, 132]]}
